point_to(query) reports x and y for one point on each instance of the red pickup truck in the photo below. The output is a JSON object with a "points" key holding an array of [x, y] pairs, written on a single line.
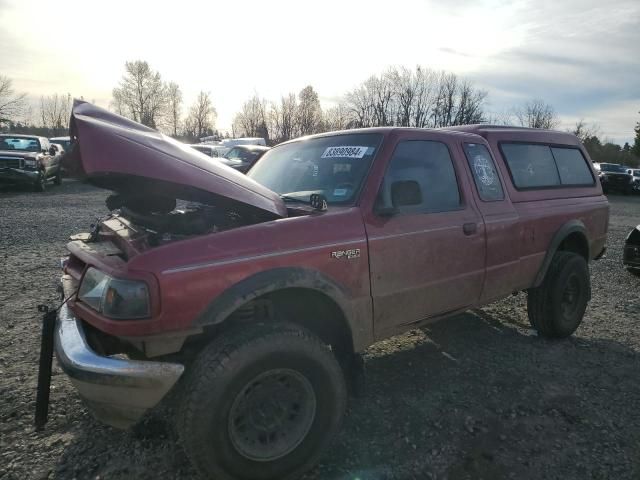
{"points": [[250, 297]]}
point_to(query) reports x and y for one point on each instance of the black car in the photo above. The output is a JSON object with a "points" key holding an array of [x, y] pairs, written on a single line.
{"points": [[242, 157], [28, 159], [614, 177], [631, 254]]}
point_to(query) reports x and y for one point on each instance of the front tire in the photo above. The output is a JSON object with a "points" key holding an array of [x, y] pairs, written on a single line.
{"points": [[57, 180], [557, 306], [40, 184], [261, 403]]}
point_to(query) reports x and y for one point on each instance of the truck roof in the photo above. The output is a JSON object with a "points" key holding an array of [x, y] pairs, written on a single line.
{"points": [[517, 133]]}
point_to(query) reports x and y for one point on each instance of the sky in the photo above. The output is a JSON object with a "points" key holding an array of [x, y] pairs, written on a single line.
{"points": [[582, 57]]}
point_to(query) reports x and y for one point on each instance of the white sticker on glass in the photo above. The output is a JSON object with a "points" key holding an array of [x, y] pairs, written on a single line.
{"points": [[339, 192], [345, 151], [483, 170]]}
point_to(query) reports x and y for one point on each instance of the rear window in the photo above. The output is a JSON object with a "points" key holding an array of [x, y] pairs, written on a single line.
{"points": [[542, 166], [572, 166]]}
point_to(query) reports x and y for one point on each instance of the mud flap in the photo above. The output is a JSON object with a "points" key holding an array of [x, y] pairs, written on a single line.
{"points": [[44, 371]]}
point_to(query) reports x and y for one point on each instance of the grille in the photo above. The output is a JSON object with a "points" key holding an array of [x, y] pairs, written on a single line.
{"points": [[11, 162]]}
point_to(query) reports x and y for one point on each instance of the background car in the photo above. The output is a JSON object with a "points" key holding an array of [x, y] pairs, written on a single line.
{"points": [[243, 157], [614, 177], [209, 150], [65, 142], [635, 173], [30, 160], [631, 254]]}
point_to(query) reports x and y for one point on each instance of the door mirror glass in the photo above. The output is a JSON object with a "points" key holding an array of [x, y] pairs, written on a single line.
{"points": [[405, 193]]}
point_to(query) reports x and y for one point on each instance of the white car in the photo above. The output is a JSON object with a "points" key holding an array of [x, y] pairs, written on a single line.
{"points": [[635, 173]]}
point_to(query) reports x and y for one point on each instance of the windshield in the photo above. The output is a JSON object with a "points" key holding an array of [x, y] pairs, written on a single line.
{"points": [[19, 143], [612, 167], [332, 166]]}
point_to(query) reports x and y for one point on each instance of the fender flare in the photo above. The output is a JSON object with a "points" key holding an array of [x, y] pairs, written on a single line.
{"points": [[272, 280], [567, 229]]}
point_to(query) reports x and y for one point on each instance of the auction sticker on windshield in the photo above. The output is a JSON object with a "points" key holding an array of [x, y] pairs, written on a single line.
{"points": [[345, 151]]}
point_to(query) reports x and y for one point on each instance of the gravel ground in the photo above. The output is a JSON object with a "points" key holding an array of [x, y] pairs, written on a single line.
{"points": [[476, 396]]}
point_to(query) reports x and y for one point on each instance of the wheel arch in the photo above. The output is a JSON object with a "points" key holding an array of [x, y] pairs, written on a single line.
{"points": [[314, 300], [571, 237]]}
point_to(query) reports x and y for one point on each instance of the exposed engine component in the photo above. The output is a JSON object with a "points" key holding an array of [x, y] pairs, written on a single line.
{"points": [[143, 204]]}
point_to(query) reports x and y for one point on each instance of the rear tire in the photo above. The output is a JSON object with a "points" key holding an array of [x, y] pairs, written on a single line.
{"points": [[261, 403], [557, 306], [57, 180]]}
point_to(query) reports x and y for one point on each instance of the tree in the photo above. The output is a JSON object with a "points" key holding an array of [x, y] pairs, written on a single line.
{"points": [[283, 119], [336, 118], [55, 112], [309, 111], [174, 108], [12, 105], [142, 95], [584, 131], [251, 121], [202, 117], [536, 114], [636, 143]]}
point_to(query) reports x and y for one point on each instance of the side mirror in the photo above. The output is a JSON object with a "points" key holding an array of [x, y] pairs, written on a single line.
{"points": [[403, 193]]}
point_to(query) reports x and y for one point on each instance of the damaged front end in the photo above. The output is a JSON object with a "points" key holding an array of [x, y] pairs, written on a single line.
{"points": [[107, 333]]}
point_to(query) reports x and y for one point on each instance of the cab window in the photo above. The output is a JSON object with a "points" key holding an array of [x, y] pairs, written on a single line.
{"points": [[421, 178], [484, 172]]}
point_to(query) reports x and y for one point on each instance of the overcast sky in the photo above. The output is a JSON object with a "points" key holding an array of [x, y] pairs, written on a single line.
{"points": [[583, 57]]}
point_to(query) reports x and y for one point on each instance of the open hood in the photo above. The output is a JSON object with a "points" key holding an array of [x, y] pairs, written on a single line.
{"points": [[119, 154]]}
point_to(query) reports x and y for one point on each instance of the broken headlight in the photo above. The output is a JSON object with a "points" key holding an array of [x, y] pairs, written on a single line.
{"points": [[113, 297]]}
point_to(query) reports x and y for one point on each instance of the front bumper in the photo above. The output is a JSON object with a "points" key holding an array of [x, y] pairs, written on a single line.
{"points": [[117, 391], [17, 175]]}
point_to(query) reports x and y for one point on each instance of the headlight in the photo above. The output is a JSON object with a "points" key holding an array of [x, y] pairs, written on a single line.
{"points": [[30, 163], [114, 298]]}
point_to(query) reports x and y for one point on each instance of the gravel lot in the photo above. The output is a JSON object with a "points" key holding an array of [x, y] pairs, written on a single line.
{"points": [[476, 396]]}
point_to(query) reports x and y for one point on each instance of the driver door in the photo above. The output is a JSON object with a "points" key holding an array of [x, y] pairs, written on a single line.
{"points": [[427, 256]]}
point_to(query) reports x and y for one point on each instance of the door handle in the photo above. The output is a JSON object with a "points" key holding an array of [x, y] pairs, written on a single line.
{"points": [[470, 228]]}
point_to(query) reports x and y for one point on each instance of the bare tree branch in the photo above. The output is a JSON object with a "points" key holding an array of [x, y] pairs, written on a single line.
{"points": [[12, 105]]}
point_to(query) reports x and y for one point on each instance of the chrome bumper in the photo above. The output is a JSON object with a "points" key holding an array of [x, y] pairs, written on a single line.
{"points": [[118, 392]]}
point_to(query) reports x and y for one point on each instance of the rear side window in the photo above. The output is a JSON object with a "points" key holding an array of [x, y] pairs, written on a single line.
{"points": [[572, 166], [484, 172], [531, 166], [428, 164]]}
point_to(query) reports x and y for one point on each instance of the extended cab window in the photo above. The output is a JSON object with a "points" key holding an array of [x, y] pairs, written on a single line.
{"points": [[531, 166], [543, 166], [572, 166], [425, 170], [484, 172]]}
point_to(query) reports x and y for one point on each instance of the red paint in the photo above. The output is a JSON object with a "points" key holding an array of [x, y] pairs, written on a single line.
{"points": [[410, 268]]}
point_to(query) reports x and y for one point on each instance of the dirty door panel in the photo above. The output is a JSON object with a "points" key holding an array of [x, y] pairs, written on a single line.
{"points": [[426, 259]]}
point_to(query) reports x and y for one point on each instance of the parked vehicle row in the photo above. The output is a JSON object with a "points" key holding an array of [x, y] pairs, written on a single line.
{"points": [[30, 160], [615, 177], [241, 157], [258, 299]]}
